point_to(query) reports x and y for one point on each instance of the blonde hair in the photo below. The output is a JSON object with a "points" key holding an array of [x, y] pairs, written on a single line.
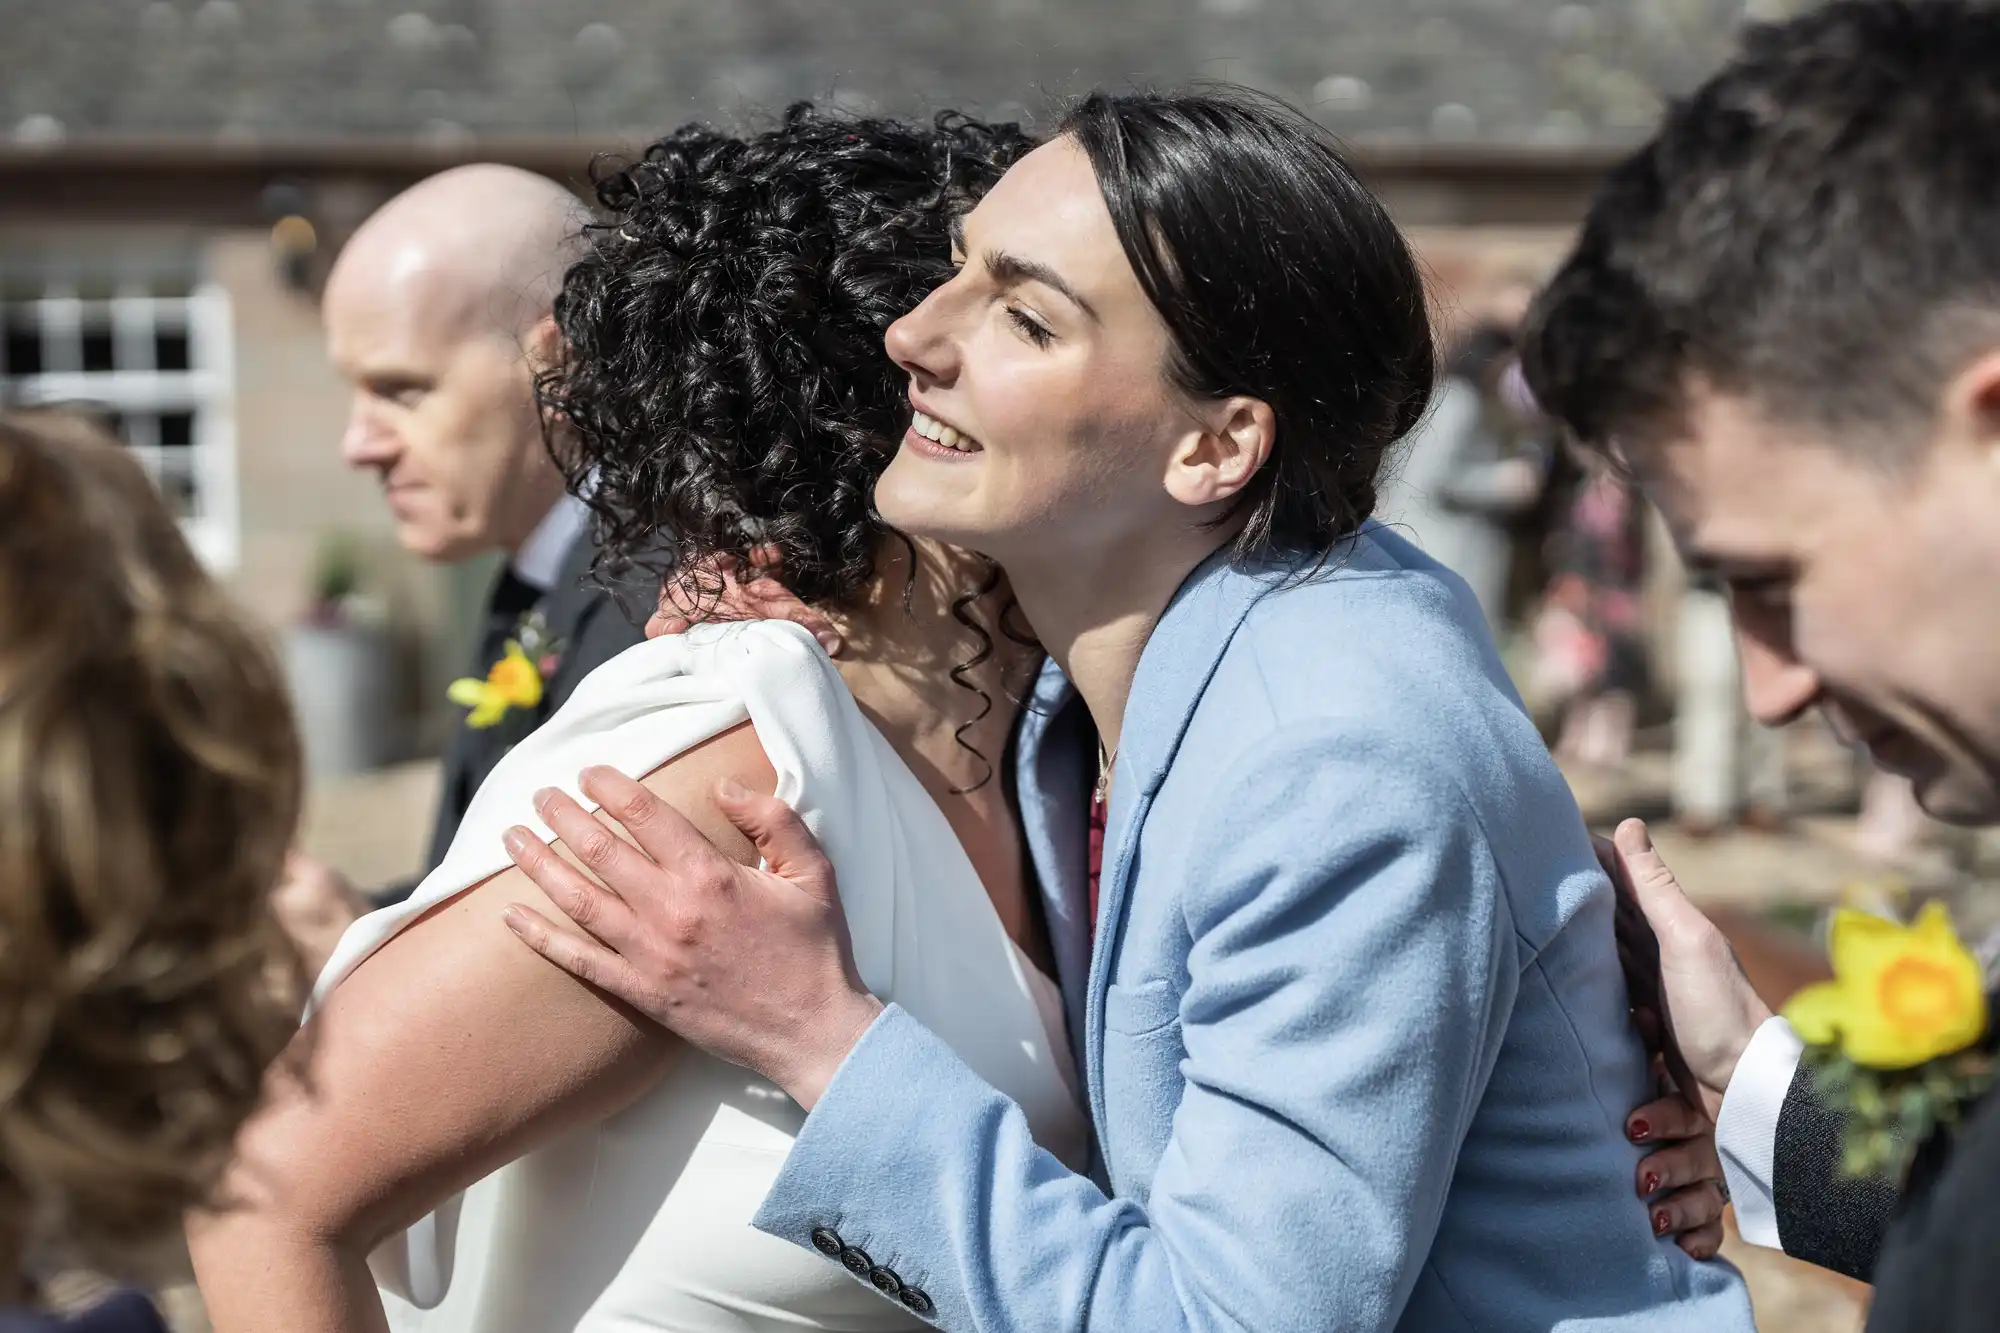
{"points": [[149, 789]]}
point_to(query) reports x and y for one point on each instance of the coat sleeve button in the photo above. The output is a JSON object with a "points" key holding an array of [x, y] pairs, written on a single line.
{"points": [[827, 1241]]}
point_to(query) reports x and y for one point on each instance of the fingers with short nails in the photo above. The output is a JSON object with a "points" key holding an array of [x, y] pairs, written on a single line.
{"points": [[1678, 1165], [1693, 1216], [1668, 1120], [589, 904], [668, 838], [588, 840], [582, 957]]}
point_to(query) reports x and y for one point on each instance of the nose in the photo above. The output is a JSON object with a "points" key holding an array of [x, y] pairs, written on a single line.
{"points": [[921, 343], [1777, 687], [366, 443]]}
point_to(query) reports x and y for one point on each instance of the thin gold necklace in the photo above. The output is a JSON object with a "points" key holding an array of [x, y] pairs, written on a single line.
{"points": [[1104, 762]]}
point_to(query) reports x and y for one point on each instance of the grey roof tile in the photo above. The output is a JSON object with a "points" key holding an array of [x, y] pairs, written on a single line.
{"points": [[1505, 70]]}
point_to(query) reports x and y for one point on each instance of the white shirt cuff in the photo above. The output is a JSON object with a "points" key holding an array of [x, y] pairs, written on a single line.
{"points": [[1746, 1130]]}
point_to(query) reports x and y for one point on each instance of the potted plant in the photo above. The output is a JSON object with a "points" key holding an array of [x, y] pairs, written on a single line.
{"points": [[339, 659]]}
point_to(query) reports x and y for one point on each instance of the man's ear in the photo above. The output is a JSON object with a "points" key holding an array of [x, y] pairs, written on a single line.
{"points": [[1969, 411]]}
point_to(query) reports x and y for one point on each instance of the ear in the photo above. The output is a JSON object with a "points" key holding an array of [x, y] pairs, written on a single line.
{"points": [[1969, 414], [543, 344], [1233, 439]]}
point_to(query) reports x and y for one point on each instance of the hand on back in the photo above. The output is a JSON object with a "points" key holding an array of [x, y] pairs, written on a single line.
{"points": [[725, 589]]}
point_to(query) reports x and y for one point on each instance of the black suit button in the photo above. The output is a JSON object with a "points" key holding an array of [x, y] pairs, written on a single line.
{"points": [[886, 1282], [914, 1298], [856, 1261], [827, 1241]]}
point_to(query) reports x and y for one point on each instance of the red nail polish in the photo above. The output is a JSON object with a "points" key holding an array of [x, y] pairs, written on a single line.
{"points": [[1650, 1184], [1662, 1219], [1640, 1130]]}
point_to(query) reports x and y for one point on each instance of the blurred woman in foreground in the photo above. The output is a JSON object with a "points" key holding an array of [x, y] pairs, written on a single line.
{"points": [[149, 788]]}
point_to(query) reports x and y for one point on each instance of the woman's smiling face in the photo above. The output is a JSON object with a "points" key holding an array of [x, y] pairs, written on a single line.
{"points": [[1042, 407]]}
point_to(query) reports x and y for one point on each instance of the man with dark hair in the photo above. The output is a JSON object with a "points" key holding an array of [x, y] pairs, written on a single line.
{"points": [[1783, 315]]}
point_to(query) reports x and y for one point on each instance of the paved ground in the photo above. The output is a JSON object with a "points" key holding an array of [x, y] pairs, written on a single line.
{"points": [[375, 828]]}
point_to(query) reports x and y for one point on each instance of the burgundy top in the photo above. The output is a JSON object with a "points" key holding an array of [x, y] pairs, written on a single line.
{"points": [[1097, 824]]}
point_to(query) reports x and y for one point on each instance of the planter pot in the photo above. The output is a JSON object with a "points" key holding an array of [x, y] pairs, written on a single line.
{"points": [[342, 691]]}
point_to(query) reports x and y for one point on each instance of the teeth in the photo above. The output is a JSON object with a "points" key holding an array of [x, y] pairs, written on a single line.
{"points": [[948, 436]]}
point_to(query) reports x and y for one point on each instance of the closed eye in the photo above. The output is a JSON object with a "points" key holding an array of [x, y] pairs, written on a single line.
{"points": [[1033, 329], [404, 391]]}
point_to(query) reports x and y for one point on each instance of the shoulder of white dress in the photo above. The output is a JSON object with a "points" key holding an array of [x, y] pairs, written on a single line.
{"points": [[769, 648]]}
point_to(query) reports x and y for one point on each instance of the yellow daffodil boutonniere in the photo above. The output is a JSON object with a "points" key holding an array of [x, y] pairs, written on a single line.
{"points": [[1894, 1038], [515, 681]]}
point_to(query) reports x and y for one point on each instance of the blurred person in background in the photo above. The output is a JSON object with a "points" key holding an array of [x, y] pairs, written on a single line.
{"points": [[1464, 476], [1803, 370], [437, 313], [1727, 769], [1891, 822], [149, 786], [1588, 636]]}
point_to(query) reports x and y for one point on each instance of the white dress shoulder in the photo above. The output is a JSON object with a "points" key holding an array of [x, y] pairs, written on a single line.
{"points": [[642, 1222]]}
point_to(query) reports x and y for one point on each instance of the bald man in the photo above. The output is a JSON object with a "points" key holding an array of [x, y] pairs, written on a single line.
{"points": [[438, 313]]}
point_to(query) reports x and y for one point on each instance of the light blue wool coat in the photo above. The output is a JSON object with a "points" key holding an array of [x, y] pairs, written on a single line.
{"points": [[1354, 1034]]}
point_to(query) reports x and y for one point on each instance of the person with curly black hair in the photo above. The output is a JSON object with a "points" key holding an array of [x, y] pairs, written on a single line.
{"points": [[723, 393]]}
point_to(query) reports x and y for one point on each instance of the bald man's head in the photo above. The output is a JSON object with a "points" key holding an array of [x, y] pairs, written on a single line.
{"points": [[437, 313]]}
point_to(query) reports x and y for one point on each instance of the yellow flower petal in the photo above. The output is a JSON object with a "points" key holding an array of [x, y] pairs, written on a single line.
{"points": [[466, 692], [1933, 925], [1815, 1013], [515, 679], [1901, 995], [1861, 943], [490, 711]]}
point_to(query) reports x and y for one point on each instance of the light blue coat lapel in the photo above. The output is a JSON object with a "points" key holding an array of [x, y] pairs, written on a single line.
{"points": [[1179, 659]]}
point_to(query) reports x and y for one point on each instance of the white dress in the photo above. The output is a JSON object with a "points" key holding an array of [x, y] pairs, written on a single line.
{"points": [[642, 1222]]}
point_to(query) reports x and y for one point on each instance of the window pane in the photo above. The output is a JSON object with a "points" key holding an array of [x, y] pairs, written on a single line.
{"points": [[97, 349], [176, 430], [170, 349], [24, 344]]}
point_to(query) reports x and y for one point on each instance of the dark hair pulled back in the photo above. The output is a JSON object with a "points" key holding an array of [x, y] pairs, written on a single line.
{"points": [[1280, 277]]}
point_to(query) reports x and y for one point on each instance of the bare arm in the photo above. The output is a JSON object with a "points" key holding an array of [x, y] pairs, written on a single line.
{"points": [[449, 1053]]}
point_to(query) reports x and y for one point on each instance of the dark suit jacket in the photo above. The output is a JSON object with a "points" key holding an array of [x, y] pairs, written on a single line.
{"points": [[127, 1312], [1932, 1249], [593, 628]]}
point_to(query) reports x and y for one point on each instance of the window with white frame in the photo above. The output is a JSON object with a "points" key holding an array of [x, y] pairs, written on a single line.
{"points": [[144, 343]]}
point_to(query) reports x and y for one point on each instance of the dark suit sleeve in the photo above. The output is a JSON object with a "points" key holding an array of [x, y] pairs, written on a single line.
{"points": [[1824, 1218]]}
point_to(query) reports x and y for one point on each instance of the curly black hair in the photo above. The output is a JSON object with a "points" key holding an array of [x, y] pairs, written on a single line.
{"points": [[723, 386]]}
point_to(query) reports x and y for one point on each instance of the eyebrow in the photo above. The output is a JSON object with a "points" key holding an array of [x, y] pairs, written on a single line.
{"points": [[1008, 268]]}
